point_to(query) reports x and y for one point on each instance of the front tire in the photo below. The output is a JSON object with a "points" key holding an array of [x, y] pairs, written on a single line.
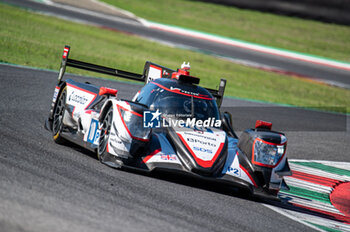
{"points": [[104, 136], [57, 123]]}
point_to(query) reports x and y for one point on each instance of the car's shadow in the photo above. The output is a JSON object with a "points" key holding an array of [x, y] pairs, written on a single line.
{"points": [[282, 203], [219, 188], [177, 178]]}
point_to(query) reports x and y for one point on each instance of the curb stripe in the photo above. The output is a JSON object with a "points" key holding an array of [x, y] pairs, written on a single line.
{"points": [[330, 215], [324, 227], [302, 184], [309, 199], [315, 179], [289, 214], [341, 165], [319, 172], [323, 197], [324, 167], [310, 203], [329, 223]]}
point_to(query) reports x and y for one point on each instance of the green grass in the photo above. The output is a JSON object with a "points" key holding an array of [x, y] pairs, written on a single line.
{"points": [[307, 36], [30, 39]]}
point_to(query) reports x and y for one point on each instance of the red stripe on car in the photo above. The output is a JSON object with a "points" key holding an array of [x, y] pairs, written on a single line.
{"points": [[144, 160], [203, 163]]}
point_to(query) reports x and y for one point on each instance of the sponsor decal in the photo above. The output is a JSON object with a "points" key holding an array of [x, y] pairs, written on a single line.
{"points": [[204, 143], [200, 135], [154, 73], [188, 93], [77, 98], [168, 157], [55, 94], [153, 119], [185, 92], [201, 149], [112, 139], [206, 147]]}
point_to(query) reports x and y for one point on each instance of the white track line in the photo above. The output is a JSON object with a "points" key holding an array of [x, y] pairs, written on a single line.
{"points": [[288, 215], [251, 46], [307, 185]]}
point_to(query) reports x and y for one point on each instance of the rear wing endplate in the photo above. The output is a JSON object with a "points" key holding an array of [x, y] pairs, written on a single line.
{"points": [[151, 71], [219, 94]]}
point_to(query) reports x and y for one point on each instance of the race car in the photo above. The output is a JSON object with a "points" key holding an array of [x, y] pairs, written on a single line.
{"points": [[171, 124]]}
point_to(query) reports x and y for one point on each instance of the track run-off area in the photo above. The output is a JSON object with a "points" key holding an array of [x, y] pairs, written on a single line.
{"points": [[49, 187], [299, 65]]}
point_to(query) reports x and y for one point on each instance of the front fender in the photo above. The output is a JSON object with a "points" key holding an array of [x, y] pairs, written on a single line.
{"points": [[127, 135]]}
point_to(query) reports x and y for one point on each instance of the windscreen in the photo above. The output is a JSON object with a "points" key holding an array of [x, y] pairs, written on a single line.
{"points": [[178, 100], [182, 106]]}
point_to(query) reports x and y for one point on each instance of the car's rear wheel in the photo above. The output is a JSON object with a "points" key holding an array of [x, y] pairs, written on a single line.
{"points": [[57, 123], [104, 136]]}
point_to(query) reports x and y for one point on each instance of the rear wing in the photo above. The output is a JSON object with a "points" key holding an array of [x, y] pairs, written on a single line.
{"points": [[151, 72], [94, 68]]}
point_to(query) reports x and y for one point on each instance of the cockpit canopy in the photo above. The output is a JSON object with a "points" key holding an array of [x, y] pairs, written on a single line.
{"points": [[180, 100]]}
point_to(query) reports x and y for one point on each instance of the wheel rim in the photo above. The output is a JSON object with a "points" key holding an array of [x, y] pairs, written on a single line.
{"points": [[58, 114], [106, 127]]}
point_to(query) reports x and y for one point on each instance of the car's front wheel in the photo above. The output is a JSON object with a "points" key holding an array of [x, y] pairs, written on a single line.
{"points": [[104, 136], [58, 115]]}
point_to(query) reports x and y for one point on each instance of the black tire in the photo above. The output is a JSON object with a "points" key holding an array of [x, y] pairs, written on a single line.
{"points": [[57, 122], [104, 136]]}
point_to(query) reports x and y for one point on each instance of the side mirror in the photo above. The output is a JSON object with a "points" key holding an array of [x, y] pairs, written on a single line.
{"points": [[226, 119]]}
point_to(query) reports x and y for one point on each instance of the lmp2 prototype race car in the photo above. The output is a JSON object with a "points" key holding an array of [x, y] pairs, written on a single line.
{"points": [[171, 124]]}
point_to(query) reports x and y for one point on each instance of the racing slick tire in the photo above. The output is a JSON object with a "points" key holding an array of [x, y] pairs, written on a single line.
{"points": [[106, 124], [102, 149], [57, 122]]}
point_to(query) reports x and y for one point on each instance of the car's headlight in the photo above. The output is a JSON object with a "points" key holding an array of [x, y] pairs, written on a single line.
{"points": [[267, 154]]}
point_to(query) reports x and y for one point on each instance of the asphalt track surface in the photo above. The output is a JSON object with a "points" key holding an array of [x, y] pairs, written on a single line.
{"points": [[325, 73], [50, 187]]}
